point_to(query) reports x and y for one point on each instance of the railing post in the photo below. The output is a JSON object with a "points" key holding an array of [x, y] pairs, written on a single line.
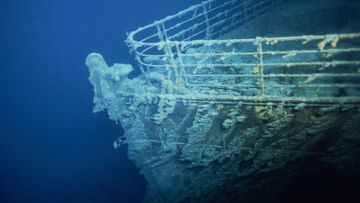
{"points": [[208, 33], [182, 70], [170, 56], [260, 66], [138, 59]]}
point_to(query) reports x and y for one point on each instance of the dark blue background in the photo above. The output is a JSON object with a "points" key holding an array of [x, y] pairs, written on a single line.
{"points": [[52, 147]]}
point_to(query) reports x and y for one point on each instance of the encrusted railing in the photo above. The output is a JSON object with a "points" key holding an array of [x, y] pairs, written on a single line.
{"points": [[198, 65]]}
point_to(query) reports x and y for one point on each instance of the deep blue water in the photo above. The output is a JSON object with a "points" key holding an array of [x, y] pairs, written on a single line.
{"points": [[52, 147]]}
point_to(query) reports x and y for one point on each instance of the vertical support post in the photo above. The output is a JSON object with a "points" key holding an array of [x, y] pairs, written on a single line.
{"points": [[159, 33], [164, 31], [169, 54], [182, 70], [134, 48], [161, 38], [260, 66], [138, 59], [172, 61], [208, 33]]}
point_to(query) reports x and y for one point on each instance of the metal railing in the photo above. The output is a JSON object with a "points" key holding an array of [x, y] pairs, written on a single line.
{"points": [[201, 66]]}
